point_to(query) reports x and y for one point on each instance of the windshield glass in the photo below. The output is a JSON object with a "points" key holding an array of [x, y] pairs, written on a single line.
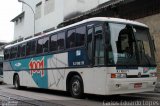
{"points": [[129, 45], [146, 54]]}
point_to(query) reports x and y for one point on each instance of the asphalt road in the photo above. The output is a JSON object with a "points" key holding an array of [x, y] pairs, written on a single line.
{"points": [[42, 97]]}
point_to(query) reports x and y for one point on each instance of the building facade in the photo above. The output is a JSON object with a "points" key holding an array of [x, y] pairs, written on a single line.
{"points": [[44, 15]]}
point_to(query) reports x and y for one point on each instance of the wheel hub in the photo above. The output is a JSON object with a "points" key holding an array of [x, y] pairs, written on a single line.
{"points": [[76, 87]]}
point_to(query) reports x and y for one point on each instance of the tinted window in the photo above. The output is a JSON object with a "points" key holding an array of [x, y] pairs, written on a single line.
{"points": [[13, 53], [80, 36], [31, 46], [53, 43], [76, 37], [45, 44], [60, 41], [98, 30], [21, 50], [42, 45], [71, 38], [6, 54]]}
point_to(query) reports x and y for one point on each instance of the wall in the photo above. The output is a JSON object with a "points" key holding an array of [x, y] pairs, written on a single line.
{"points": [[26, 27], [51, 19], [74, 7], [62, 9], [46, 20]]}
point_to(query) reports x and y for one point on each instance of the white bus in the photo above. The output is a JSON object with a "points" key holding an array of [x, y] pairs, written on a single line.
{"points": [[104, 56]]}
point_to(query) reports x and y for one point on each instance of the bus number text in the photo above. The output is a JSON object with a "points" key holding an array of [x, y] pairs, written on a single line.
{"points": [[37, 67]]}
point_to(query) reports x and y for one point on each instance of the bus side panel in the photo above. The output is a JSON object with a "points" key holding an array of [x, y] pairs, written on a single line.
{"points": [[8, 73], [32, 71], [94, 80], [56, 77], [27, 80]]}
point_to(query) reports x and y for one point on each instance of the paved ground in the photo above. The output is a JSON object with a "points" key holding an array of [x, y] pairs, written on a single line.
{"points": [[40, 97], [157, 88]]}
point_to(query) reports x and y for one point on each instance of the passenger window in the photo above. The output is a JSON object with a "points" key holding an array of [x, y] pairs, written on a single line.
{"points": [[42, 45], [71, 38], [61, 41], [53, 43], [31, 46], [76, 37], [80, 36], [45, 44], [13, 53], [6, 54], [21, 50]]}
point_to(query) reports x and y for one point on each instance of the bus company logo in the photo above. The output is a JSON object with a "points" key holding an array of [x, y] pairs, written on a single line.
{"points": [[145, 70], [37, 66], [18, 64]]}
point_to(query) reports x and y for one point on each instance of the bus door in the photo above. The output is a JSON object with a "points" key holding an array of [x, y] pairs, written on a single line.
{"points": [[98, 46], [95, 45]]}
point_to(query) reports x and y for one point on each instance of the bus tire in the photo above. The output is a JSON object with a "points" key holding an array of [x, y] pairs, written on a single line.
{"points": [[17, 82], [76, 87]]}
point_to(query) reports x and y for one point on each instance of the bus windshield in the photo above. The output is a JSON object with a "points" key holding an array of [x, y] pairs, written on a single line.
{"points": [[130, 45]]}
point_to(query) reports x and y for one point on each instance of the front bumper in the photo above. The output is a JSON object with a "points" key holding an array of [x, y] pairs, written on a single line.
{"points": [[124, 86]]}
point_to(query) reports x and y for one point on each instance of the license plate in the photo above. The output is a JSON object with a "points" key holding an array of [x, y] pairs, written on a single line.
{"points": [[137, 85]]}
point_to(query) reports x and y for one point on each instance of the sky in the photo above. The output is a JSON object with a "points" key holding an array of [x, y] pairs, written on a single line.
{"points": [[8, 10]]}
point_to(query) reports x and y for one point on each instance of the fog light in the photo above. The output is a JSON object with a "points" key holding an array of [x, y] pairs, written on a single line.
{"points": [[154, 83], [118, 75]]}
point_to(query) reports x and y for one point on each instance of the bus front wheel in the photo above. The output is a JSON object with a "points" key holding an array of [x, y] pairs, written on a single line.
{"points": [[16, 82], [76, 86]]}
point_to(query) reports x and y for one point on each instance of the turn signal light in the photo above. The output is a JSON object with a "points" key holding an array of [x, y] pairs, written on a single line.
{"points": [[118, 75], [113, 75]]}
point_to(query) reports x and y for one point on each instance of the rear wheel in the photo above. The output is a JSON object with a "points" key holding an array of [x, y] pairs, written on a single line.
{"points": [[76, 87], [17, 82]]}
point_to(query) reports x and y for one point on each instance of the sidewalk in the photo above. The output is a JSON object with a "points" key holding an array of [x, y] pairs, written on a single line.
{"points": [[157, 88]]}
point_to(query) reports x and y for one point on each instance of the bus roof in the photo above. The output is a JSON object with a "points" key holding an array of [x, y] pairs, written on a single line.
{"points": [[107, 19]]}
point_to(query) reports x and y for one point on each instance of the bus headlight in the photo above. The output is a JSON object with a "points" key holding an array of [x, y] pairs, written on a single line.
{"points": [[118, 75], [153, 74]]}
